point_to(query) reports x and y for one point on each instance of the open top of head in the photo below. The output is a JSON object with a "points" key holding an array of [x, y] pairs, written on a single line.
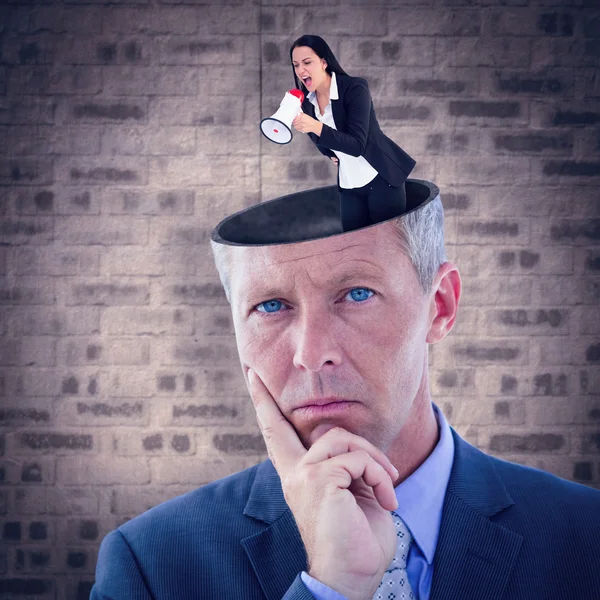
{"points": [[303, 216]]}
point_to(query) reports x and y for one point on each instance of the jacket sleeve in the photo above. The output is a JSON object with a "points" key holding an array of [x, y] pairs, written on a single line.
{"points": [[357, 106], [298, 591], [118, 576]]}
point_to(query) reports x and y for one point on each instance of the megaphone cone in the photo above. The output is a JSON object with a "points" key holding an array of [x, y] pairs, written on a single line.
{"points": [[278, 127]]}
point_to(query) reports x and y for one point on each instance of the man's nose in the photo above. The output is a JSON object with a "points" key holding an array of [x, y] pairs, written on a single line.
{"points": [[316, 343]]}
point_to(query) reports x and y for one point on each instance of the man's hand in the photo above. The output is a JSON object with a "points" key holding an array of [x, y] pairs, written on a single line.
{"points": [[340, 492], [306, 124]]}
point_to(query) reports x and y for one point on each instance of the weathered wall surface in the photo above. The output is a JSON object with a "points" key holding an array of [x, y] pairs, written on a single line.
{"points": [[128, 129]]}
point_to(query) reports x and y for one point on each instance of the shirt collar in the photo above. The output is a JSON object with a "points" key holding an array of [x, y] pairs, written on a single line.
{"points": [[333, 91], [421, 495]]}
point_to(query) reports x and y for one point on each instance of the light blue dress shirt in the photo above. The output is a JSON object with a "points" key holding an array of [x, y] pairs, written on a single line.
{"points": [[420, 502]]}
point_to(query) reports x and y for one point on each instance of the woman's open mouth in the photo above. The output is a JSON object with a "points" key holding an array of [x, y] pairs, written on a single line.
{"points": [[307, 81]]}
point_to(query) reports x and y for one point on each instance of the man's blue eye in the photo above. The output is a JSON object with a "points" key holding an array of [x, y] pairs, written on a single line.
{"points": [[269, 308], [358, 294]]}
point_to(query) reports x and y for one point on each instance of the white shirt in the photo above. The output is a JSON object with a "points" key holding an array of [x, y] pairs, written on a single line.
{"points": [[355, 171]]}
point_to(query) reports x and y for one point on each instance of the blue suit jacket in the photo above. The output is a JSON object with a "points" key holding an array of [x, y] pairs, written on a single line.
{"points": [[508, 533], [358, 133]]}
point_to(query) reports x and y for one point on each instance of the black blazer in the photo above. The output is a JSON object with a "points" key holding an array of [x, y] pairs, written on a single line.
{"points": [[358, 132]]}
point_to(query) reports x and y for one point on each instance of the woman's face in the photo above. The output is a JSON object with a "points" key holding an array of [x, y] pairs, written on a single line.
{"points": [[309, 68]]}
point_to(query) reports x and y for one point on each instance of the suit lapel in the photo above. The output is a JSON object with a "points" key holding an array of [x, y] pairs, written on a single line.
{"points": [[277, 553], [474, 555]]}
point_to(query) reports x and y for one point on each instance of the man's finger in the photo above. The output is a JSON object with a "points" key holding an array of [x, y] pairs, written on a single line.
{"points": [[339, 441], [346, 468], [283, 443]]}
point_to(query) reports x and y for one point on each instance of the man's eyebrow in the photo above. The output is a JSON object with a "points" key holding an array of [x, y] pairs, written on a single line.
{"points": [[354, 275]]}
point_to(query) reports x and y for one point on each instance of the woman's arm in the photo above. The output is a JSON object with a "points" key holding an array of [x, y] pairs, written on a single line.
{"points": [[357, 104]]}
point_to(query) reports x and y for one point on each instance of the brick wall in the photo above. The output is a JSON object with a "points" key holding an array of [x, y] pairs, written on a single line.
{"points": [[128, 129]]}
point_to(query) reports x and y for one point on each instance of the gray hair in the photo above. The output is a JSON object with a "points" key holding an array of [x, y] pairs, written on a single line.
{"points": [[420, 237]]}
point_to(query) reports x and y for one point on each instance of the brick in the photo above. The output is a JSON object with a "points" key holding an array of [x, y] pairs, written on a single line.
{"points": [[27, 230], [534, 143], [171, 21], [575, 231], [562, 411], [489, 352], [581, 351], [27, 110], [589, 443], [107, 50], [162, 443], [128, 383], [550, 384], [137, 202], [28, 291], [415, 51], [498, 412], [205, 50], [565, 170], [47, 321], [532, 201], [589, 320], [453, 382], [173, 141], [131, 501], [163, 81], [148, 321], [559, 83], [523, 261], [57, 442], [545, 114], [29, 351], [119, 293], [207, 294], [55, 80], [68, 19], [217, 412], [426, 21], [86, 110], [34, 261], [529, 22], [194, 353], [44, 139], [116, 351], [234, 443], [179, 111], [40, 470], [38, 530], [465, 171], [482, 51], [29, 586], [107, 412], [499, 291], [530, 442], [104, 171], [61, 501], [557, 53], [186, 470], [26, 171], [102, 471], [482, 231], [189, 171], [215, 320], [587, 290], [523, 322]]}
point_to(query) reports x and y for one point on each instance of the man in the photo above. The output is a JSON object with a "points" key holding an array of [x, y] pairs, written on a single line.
{"points": [[369, 493]]}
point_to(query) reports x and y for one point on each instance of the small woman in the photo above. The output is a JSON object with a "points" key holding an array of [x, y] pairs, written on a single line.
{"points": [[340, 119]]}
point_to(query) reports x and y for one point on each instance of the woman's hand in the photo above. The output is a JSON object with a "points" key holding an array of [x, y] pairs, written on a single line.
{"points": [[335, 160], [306, 124]]}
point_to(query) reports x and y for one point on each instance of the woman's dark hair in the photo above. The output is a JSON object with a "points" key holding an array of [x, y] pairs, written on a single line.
{"points": [[322, 50]]}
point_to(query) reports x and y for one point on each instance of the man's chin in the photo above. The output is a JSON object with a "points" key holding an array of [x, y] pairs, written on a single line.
{"points": [[320, 430]]}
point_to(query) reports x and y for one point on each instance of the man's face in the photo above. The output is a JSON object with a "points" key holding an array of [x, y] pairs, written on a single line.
{"points": [[341, 317]]}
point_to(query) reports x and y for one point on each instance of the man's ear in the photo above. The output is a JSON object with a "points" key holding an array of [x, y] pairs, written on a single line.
{"points": [[444, 297]]}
